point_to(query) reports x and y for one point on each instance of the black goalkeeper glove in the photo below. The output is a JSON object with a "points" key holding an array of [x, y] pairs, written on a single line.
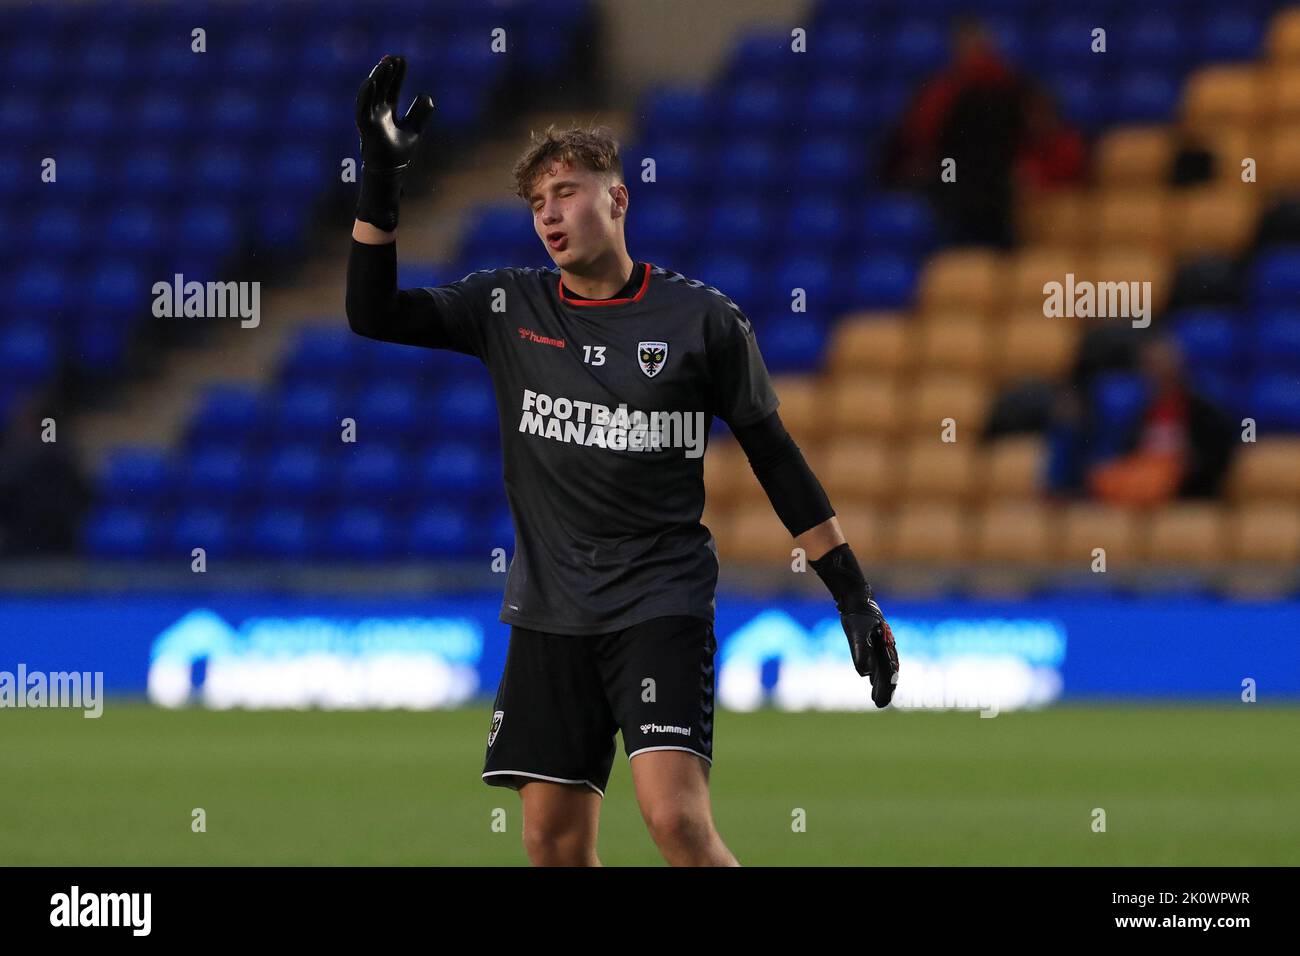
{"points": [[870, 639], [387, 144]]}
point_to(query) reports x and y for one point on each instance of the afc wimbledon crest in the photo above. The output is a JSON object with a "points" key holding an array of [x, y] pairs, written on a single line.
{"points": [[496, 726], [651, 355]]}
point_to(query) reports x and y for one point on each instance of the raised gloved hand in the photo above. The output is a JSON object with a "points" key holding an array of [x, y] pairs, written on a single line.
{"points": [[387, 143], [871, 642]]}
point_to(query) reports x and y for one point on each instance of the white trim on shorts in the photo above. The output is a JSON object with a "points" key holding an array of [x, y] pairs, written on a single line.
{"points": [[687, 749], [538, 776]]}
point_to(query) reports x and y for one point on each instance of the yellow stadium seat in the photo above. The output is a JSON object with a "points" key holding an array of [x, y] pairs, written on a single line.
{"points": [[935, 470], [1038, 265], [1266, 470], [1187, 533], [728, 478], [930, 531], [1014, 466], [854, 471], [1135, 156], [871, 343], [1135, 216], [1232, 144], [867, 406], [1036, 346], [941, 396], [965, 279], [1014, 533], [803, 405], [1279, 162], [1217, 219], [1268, 533], [756, 534], [1087, 526], [1062, 218], [866, 530], [1229, 95], [1284, 37], [953, 346], [1136, 264], [1284, 94]]}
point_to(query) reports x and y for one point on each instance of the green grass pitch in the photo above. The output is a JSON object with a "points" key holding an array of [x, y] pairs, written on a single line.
{"points": [[1180, 785]]}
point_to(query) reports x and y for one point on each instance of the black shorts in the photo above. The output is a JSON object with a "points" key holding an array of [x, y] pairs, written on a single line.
{"points": [[563, 697]]}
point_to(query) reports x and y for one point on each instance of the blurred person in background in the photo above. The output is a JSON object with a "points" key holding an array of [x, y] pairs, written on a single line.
{"points": [[1000, 130], [43, 493], [1179, 446]]}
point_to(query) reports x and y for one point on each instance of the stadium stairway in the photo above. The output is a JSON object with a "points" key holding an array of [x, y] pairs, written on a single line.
{"points": [[156, 412]]}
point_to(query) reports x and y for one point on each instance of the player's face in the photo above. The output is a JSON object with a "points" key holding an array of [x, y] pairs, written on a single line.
{"points": [[575, 214]]}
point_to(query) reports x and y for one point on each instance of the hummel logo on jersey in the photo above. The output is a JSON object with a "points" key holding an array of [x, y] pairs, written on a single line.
{"points": [[664, 729], [496, 726], [652, 356], [532, 336]]}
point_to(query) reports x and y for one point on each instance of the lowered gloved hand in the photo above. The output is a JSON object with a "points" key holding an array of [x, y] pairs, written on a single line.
{"points": [[871, 642]]}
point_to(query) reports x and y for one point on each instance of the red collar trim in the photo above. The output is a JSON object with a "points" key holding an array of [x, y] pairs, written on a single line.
{"points": [[645, 284]]}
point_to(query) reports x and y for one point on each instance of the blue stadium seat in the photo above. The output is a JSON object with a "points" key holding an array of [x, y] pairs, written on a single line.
{"points": [[140, 474], [1118, 400], [1208, 337], [120, 531], [28, 353], [1276, 340], [219, 473], [296, 473], [675, 111], [899, 223], [226, 413], [212, 528], [360, 533], [1274, 402], [371, 471], [282, 532], [817, 220], [1275, 278], [882, 280], [444, 532]]}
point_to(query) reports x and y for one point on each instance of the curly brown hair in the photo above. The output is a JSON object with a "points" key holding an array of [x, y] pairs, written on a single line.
{"points": [[592, 146]]}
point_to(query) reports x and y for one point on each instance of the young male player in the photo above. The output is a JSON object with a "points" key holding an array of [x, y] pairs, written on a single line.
{"points": [[607, 373]]}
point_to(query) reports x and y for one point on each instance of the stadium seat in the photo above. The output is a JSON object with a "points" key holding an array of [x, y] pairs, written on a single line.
{"points": [[1035, 346], [869, 342], [1218, 96], [932, 470], [959, 347], [1014, 468], [930, 532], [1284, 37], [858, 470], [803, 406], [862, 406], [1266, 471], [1185, 533], [1265, 534], [1213, 219], [1035, 266], [755, 534], [937, 397], [969, 280], [1087, 526], [1014, 533], [727, 475], [1134, 216]]}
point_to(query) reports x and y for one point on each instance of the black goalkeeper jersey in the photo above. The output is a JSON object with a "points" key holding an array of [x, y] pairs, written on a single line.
{"points": [[605, 407]]}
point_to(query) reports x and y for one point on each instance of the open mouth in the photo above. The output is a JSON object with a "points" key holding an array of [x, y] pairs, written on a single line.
{"points": [[557, 240]]}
